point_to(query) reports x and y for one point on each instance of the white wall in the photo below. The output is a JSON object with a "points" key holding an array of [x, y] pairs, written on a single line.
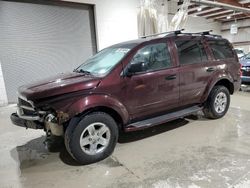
{"points": [[116, 20], [3, 95]]}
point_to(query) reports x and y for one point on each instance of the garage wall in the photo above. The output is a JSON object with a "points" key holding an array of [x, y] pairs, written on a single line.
{"points": [[3, 95], [196, 24], [243, 35]]}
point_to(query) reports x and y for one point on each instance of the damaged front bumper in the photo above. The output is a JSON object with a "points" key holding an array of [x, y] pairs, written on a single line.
{"points": [[16, 120], [49, 125], [29, 117]]}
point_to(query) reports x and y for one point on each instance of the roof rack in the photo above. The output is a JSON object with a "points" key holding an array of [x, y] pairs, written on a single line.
{"points": [[203, 33], [168, 32], [178, 32]]}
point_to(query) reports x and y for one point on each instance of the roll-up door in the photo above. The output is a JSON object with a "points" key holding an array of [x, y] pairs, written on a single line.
{"points": [[41, 40]]}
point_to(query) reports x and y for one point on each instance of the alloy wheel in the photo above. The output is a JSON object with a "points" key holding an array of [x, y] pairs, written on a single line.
{"points": [[95, 138], [220, 102]]}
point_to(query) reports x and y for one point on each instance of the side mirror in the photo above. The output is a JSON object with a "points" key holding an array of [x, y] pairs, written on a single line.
{"points": [[134, 68]]}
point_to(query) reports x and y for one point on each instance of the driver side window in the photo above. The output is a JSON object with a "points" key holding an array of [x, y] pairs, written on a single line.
{"points": [[152, 57]]}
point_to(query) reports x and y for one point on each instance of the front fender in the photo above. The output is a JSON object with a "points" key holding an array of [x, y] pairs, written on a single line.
{"points": [[72, 107], [212, 82]]}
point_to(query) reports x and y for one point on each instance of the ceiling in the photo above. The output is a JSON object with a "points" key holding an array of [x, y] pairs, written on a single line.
{"points": [[220, 14]]}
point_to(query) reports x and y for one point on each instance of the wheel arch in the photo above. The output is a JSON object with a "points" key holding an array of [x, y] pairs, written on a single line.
{"points": [[90, 103], [113, 113], [224, 81]]}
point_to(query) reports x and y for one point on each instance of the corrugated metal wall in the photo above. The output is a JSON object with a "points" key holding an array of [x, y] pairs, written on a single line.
{"points": [[37, 41]]}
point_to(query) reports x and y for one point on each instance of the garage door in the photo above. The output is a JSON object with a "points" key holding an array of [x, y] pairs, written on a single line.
{"points": [[38, 40]]}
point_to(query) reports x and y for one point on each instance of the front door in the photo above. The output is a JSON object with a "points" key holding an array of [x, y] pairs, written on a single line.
{"points": [[153, 87]]}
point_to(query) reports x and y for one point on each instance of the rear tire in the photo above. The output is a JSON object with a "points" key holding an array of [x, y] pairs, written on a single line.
{"points": [[217, 103], [91, 139]]}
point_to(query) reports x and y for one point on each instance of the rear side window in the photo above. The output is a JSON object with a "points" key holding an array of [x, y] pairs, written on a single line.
{"points": [[221, 49], [190, 52]]}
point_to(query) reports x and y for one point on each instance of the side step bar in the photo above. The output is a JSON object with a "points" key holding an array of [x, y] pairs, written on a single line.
{"points": [[162, 119]]}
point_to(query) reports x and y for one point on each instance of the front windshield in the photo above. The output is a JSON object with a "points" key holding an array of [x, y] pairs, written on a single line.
{"points": [[102, 62]]}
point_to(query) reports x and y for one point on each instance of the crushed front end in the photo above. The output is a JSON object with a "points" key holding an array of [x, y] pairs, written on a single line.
{"points": [[29, 116]]}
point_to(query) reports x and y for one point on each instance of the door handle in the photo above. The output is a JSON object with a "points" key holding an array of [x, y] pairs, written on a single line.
{"points": [[170, 77], [210, 69]]}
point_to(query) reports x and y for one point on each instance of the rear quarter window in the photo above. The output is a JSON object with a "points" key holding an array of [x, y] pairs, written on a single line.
{"points": [[221, 49]]}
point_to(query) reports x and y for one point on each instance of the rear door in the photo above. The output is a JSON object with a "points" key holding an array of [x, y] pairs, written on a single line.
{"points": [[194, 69], [224, 58]]}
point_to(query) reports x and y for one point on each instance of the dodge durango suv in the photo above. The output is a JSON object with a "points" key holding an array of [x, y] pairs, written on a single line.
{"points": [[132, 86]]}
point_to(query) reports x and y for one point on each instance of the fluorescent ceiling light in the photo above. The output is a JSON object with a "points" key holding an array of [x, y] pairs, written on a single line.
{"points": [[199, 9]]}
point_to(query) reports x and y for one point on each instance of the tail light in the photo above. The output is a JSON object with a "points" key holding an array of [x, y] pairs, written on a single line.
{"points": [[240, 71]]}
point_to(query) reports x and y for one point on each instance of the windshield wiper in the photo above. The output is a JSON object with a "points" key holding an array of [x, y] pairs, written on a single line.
{"points": [[82, 71]]}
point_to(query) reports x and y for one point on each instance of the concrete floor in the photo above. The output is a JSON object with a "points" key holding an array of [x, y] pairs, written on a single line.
{"points": [[189, 153]]}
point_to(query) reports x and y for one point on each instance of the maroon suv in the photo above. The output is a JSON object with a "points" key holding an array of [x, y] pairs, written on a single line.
{"points": [[131, 86]]}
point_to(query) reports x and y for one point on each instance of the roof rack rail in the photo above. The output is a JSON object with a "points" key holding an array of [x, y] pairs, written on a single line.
{"points": [[203, 33], [174, 33], [208, 33], [168, 32], [178, 32]]}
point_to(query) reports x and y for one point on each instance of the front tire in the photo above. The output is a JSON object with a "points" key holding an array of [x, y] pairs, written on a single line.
{"points": [[217, 103], [93, 138]]}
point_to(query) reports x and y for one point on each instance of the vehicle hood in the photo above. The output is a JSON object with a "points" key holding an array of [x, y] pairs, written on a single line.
{"points": [[245, 62], [58, 85]]}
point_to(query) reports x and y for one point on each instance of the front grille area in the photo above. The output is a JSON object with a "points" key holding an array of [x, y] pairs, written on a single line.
{"points": [[29, 112], [23, 102], [26, 108]]}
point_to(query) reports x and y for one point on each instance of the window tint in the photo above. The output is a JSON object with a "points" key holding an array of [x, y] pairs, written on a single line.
{"points": [[190, 52], [152, 57], [221, 49]]}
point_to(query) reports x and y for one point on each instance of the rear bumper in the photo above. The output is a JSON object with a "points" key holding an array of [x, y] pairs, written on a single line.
{"points": [[16, 120]]}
